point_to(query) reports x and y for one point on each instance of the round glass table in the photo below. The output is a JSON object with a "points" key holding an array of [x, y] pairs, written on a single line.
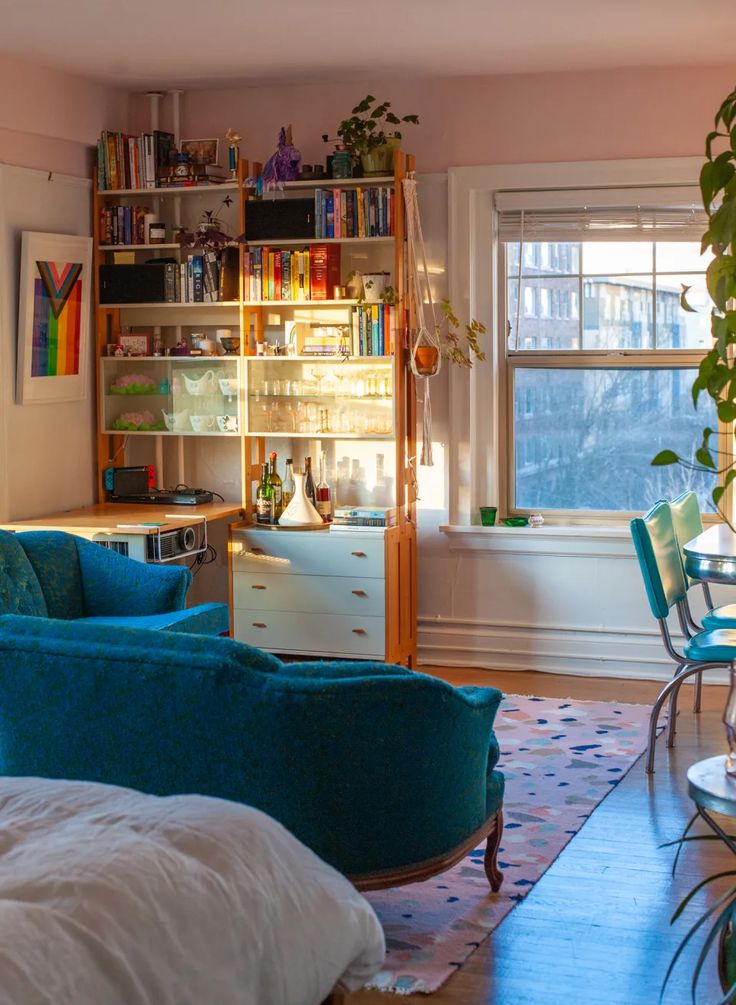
{"points": [[713, 791]]}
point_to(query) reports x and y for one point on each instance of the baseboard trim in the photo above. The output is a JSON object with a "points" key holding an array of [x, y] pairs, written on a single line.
{"points": [[571, 650]]}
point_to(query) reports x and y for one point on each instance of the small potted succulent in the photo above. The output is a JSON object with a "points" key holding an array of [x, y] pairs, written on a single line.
{"points": [[368, 134]]}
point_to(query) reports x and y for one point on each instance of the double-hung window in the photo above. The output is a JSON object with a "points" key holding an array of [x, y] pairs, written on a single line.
{"points": [[599, 355]]}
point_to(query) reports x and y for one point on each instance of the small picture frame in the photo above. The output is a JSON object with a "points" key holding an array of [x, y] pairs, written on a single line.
{"points": [[201, 151], [135, 344]]}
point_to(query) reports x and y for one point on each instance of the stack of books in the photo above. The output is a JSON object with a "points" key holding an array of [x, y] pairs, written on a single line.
{"points": [[125, 161], [373, 330], [360, 516], [196, 281], [354, 212], [279, 274], [122, 225]]}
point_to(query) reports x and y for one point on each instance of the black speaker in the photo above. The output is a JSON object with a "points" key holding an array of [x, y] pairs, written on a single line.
{"points": [[132, 284], [273, 219]]}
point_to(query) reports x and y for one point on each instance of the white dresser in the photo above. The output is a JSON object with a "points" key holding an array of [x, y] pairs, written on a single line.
{"points": [[324, 592]]}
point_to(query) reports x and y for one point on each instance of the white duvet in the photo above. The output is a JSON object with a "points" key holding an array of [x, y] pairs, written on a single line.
{"points": [[112, 897]]}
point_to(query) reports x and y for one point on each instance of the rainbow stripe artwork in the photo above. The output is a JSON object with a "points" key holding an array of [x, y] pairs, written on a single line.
{"points": [[57, 319]]}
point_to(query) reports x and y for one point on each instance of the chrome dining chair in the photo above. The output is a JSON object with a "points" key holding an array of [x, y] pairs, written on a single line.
{"points": [[688, 524], [660, 562]]}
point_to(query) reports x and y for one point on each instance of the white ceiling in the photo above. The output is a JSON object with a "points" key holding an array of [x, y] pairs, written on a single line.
{"points": [[140, 43]]}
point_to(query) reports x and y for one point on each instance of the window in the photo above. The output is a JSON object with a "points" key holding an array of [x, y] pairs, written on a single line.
{"points": [[609, 350]]}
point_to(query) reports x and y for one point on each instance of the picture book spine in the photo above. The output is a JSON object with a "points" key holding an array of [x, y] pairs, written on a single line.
{"points": [[381, 333], [140, 224], [355, 332], [374, 330], [359, 208], [170, 271], [276, 259], [318, 231], [183, 283], [198, 279], [102, 181], [336, 217], [150, 161], [329, 215], [286, 275]]}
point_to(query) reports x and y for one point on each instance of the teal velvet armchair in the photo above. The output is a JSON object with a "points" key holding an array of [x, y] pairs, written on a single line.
{"points": [[387, 774], [50, 574]]}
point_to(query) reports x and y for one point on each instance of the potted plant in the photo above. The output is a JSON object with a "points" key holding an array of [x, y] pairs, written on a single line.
{"points": [[717, 371], [368, 135], [457, 343], [210, 231]]}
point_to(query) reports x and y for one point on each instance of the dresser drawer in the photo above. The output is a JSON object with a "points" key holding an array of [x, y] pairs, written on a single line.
{"points": [[323, 634], [312, 553], [253, 591]]}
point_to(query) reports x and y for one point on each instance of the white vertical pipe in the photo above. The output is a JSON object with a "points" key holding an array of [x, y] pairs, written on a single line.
{"points": [[176, 111]]}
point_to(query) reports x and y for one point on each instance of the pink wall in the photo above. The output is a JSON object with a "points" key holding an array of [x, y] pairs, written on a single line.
{"points": [[591, 115], [51, 120]]}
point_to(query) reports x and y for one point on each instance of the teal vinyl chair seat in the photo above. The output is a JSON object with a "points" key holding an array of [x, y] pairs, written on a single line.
{"points": [[720, 617], [377, 768], [717, 646], [50, 574]]}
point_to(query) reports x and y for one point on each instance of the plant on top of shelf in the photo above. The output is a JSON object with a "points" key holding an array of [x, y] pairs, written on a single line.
{"points": [[210, 232], [367, 134]]}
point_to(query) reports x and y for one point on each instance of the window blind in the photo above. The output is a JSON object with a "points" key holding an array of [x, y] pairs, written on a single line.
{"points": [[667, 213]]}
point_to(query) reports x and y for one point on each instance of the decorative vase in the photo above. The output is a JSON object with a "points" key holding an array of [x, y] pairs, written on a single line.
{"points": [[374, 285], [426, 358], [380, 160], [300, 512]]}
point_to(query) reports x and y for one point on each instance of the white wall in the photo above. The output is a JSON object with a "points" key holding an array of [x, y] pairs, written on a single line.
{"points": [[47, 451]]}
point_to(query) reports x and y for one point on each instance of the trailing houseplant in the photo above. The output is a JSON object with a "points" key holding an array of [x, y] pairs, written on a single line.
{"points": [[454, 341], [717, 371], [371, 134]]}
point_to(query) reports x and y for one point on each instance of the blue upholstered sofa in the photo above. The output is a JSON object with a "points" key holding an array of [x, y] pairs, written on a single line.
{"points": [[50, 574], [386, 773]]}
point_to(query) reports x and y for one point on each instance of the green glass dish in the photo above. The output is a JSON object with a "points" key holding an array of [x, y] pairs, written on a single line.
{"points": [[515, 521]]}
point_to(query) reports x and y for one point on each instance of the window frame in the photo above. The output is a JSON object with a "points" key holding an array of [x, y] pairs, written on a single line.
{"points": [[477, 461]]}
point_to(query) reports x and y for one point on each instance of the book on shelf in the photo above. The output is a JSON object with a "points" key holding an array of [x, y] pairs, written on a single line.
{"points": [[361, 516], [122, 225], [283, 274]]}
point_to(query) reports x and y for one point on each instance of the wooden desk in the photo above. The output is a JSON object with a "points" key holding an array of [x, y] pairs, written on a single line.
{"points": [[711, 556], [113, 518]]}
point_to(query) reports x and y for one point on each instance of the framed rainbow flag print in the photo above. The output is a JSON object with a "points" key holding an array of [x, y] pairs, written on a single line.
{"points": [[53, 317]]}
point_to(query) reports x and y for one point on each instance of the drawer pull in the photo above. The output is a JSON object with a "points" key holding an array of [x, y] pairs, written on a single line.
{"points": [[359, 554], [257, 586], [360, 593], [260, 624], [359, 631]]}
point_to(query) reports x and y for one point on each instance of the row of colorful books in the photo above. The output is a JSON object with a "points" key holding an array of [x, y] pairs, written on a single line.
{"points": [[354, 212], [196, 281], [373, 330], [279, 274], [125, 161], [122, 224]]}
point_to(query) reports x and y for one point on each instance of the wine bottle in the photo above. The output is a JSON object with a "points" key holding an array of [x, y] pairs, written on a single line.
{"points": [[309, 482], [264, 498], [324, 503], [276, 488], [287, 487]]}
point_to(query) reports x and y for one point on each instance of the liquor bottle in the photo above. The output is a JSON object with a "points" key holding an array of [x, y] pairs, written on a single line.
{"points": [[309, 482], [264, 498], [324, 503], [287, 487], [276, 488]]}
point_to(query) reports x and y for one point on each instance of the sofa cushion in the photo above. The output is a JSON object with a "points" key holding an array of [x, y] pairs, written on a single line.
{"points": [[53, 555], [20, 590]]}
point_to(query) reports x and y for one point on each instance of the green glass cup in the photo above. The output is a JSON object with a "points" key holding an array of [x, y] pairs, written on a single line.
{"points": [[488, 515]]}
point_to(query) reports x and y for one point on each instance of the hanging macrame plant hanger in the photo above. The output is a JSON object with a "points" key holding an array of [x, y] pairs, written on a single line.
{"points": [[425, 357]]}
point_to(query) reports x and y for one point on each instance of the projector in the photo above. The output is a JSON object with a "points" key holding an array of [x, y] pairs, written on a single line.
{"points": [[157, 545]]}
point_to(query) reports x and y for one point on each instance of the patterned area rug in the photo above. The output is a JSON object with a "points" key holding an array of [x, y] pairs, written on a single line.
{"points": [[560, 758]]}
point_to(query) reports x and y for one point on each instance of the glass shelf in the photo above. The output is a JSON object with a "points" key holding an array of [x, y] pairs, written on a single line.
{"points": [[167, 395]]}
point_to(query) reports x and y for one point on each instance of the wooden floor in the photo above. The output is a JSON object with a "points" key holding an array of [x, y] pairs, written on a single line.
{"points": [[595, 928]]}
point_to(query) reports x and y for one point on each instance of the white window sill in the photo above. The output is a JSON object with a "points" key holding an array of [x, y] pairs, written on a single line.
{"points": [[606, 541]]}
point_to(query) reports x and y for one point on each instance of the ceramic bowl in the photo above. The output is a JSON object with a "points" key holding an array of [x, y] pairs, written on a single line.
{"points": [[227, 423], [176, 422], [204, 384], [231, 344], [202, 423]]}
